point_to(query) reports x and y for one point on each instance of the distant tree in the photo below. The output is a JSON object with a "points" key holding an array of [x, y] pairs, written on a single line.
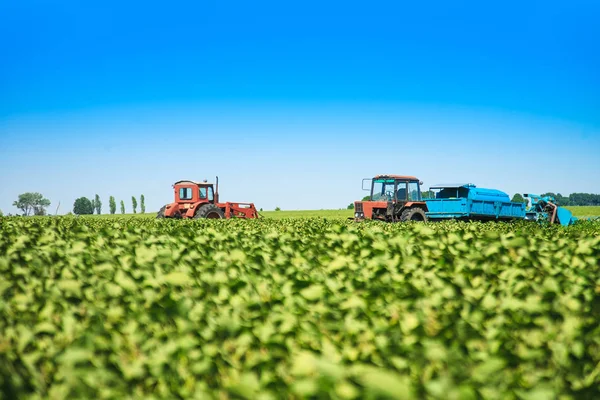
{"points": [[122, 207], [560, 199], [261, 209], [39, 210], [277, 209], [366, 198], [142, 205], [134, 203], [584, 199], [98, 205], [83, 206], [428, 194], [517, 198], [1, 213], [28, 202], [112, 205], [350, 206]]}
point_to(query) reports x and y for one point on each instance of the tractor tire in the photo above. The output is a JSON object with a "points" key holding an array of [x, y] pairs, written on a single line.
{"points": [[161, 213], [209, 211], [413, 214]]}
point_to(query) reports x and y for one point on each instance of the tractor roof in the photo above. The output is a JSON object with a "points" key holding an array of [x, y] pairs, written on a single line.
{"points": [[399, 177], [191, 182], [451, 185]]}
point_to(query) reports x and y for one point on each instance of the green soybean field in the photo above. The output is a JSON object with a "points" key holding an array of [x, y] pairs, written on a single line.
{"points": [[128, 308]]}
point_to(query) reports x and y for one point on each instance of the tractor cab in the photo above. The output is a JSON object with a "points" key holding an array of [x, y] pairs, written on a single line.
{"points": [[393, 198], [194, 192], [395, 188]]}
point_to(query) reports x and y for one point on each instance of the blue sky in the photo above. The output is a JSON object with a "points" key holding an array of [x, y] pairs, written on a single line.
{"points": [[292, 104]]}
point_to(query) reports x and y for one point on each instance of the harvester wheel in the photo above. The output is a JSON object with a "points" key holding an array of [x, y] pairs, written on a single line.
{"points": [[209, 211], [161, 212], [413, 214]]}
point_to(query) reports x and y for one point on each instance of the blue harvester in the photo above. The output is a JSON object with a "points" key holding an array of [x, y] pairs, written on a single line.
{"points": [[544, 207]]}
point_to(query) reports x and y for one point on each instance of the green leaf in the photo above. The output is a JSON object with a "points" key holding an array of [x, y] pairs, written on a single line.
{"points": [[384, 383], [177, 279], [312, 292], [70, 286]]}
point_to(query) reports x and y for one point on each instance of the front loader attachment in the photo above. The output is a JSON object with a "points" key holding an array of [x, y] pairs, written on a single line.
{"points": [[239, 210]]}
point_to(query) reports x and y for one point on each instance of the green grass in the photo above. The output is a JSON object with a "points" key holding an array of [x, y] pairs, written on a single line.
{"points": [[341, 214], [119, 215], [578, 211], [584, 211], [337, 214]]}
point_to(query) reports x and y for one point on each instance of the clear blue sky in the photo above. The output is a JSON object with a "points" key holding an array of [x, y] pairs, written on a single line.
{"points": [[292, 104]]}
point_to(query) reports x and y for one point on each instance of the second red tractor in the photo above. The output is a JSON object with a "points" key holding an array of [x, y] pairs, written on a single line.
{"points": [[201, 200], [394, 198]]}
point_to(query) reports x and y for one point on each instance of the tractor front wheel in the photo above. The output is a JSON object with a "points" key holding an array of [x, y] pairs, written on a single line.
{"points": [[161, 212], [209, 211], [413, 214]]}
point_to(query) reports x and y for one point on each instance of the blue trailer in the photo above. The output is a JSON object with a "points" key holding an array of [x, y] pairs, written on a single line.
{"points": [[468, 202]]}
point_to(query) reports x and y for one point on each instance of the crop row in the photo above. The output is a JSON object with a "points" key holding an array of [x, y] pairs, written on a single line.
{"points": [[121, 308]]}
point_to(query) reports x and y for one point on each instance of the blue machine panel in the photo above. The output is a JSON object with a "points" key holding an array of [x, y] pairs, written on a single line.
{"points": [[469, 202], [488, 195]]}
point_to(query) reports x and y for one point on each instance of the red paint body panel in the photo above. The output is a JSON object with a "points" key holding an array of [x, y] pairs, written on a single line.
{"points": [[368, 207], [184, 209], [171, 210]]}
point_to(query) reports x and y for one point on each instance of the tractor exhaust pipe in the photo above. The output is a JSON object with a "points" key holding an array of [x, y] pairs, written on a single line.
{"points": [[217, 190]]}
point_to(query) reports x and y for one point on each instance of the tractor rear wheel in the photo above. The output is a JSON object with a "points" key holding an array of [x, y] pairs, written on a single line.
{"points": [[209, 211], [161, 212], [413, 214]]}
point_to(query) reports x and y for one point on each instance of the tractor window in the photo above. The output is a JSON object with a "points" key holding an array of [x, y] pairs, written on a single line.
{"points": [[383, 190], [210, 194], [185, 193], [413, 191], [447, 193], [202, 192], [401, 192]]}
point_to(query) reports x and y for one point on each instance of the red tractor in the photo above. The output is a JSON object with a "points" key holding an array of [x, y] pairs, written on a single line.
{"points": [[393, 198], [200, 200]]}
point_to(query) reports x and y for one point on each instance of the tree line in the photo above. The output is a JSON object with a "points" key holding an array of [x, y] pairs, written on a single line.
{"points": [[574, 199], [85, 206], [33, 203]]}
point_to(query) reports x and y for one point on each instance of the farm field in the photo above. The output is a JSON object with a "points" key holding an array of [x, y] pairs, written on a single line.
{"points": [[297, 308], [341, 214], [585, 211], [578, 211]]}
